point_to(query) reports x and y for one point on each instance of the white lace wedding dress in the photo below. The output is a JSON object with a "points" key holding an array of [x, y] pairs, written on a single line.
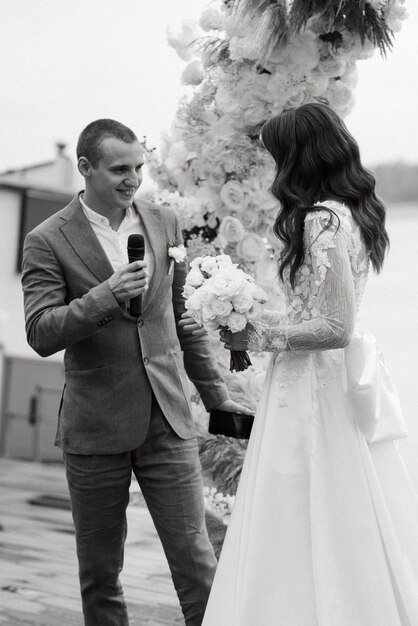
{"points": [[324, 530]]}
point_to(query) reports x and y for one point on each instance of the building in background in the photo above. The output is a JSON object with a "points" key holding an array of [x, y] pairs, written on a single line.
{"points": [[30, 387]]}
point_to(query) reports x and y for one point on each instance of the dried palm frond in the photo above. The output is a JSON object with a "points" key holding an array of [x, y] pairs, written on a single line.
{"points": [[222, 459], [357, 16], [271, 30], [252, 8]]}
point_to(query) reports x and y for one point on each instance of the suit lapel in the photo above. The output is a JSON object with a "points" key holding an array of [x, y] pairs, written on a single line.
{"points": [[157, 236], [80, 235]]}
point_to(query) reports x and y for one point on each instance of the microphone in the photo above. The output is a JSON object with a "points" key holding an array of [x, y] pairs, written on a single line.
{"points": [[136, 251]]}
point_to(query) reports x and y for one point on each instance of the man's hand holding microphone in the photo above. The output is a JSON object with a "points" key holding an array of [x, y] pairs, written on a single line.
{"points": [[129, 281]]}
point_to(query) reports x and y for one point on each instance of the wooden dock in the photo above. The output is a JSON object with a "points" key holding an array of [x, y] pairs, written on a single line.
{"points": [[38, 566]]}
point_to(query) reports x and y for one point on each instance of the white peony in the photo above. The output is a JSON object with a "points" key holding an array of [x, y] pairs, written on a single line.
{"points": [[236, 322], [221, 308], [226, 284], [195, 277], [242, 302], [178, 253]]}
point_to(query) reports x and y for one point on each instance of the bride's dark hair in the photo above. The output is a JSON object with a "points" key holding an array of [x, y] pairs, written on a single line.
{"points": [[317, 159]]}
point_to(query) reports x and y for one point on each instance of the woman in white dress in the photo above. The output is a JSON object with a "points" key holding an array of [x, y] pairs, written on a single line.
{"points": [[324, 530]]}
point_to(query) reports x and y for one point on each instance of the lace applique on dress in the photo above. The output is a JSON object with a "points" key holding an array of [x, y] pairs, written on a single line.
{"points": [[321, 308], [296, 366]]}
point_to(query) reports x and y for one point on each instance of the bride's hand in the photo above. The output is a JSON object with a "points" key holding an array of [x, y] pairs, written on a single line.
{"points": [[190, 327], [235, 341]]}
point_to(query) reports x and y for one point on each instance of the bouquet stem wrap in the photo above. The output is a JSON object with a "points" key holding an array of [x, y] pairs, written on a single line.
{"points": [[240, 360]]}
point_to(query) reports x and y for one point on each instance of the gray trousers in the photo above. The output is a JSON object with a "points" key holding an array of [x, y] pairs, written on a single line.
{"points": [[168, 471]]}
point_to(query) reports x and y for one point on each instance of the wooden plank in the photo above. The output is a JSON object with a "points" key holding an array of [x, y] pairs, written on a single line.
{"points": [[38, 576]]}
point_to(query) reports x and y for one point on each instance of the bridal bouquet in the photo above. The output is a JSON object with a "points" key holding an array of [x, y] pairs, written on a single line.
{"points": [[219, 295]]}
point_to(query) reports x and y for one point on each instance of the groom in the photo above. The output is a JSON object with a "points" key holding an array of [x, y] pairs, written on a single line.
{"points": [[125, 403]]}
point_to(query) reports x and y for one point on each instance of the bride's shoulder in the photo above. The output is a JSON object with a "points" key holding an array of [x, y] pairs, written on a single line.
{"points": [[327, 218], [335, 206], [325, 211]]}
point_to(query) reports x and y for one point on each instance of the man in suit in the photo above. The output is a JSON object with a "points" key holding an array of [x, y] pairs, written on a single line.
{"points": [[125, 404]]}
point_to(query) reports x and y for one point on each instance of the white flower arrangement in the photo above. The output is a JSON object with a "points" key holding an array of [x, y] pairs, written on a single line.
{"points": [[212, 164], [219, 295], [219, 503]]}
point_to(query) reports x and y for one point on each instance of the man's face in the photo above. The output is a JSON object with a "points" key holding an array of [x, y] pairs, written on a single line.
{"points": [[114, 181]]}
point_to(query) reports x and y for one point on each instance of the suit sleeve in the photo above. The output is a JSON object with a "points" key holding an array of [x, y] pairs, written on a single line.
{"points": [[199, 358], [53, 323]]}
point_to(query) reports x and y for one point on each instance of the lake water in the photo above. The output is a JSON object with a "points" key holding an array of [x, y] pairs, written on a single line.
{"points": [[390, 312]]}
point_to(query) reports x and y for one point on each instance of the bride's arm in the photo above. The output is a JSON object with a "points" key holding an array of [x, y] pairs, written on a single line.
{"points": [[332, 311]]}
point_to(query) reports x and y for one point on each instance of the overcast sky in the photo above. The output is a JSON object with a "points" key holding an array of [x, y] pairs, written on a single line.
{"points": [[64, 63]]}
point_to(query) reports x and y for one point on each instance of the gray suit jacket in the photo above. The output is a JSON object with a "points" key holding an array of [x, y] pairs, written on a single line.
{"points": [[113, 362]]}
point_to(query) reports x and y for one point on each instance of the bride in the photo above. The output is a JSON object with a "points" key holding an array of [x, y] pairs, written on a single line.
{"points": [[324, 530]]}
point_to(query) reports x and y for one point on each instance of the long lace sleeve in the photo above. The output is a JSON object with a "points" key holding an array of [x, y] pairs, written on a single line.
{"points": [[322, 305]]}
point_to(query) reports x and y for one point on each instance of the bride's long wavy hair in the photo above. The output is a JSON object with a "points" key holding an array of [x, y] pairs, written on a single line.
{"points": [[317, 159]]}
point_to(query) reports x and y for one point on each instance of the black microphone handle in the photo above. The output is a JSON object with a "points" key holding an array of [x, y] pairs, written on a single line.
{"points": [[136, 252], [135, 305]]}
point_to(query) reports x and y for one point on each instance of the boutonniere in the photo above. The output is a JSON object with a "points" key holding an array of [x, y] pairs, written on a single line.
{"points": [[177, 254]]}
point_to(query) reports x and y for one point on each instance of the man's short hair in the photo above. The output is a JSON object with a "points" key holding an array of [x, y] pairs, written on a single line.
{"points": [[90, 139]]}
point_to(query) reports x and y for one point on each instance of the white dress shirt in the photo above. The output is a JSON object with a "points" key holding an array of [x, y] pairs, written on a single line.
{"points": [[115, 242]]}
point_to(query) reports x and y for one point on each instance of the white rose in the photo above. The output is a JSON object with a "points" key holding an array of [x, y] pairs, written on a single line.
{"points": [[252, 247], [192, 74], [233, 197], [221, 307], [231, 229], [333, 67], [236, 322], [250, 219]]}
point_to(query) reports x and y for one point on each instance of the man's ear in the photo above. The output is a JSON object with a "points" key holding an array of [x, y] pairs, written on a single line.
{"points": [[84, 167]]}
